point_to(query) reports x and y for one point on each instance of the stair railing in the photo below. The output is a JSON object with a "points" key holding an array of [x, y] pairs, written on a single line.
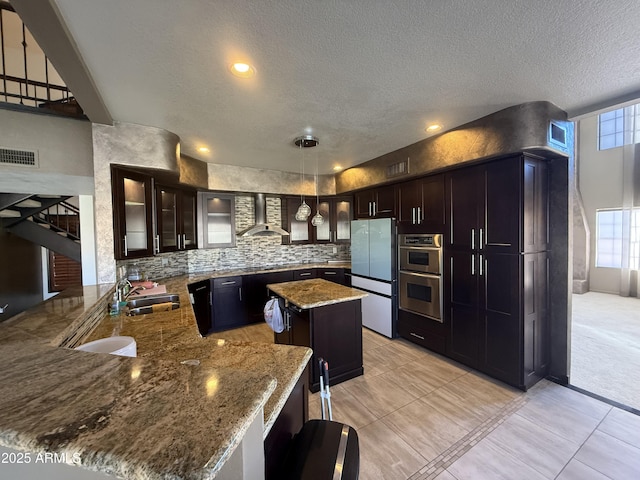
{"points": [[63, 218]]}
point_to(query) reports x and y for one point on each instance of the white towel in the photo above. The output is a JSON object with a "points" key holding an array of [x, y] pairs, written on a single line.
{"points": [[273, 315]]}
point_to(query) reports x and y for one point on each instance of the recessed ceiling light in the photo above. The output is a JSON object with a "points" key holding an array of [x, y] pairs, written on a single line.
{"points": [[434, 127], [242, 70], [337, 168], [203, 150]]}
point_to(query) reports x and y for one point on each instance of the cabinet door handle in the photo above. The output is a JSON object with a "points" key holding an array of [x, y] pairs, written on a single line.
{"points": [[184, 241], [330, 273], [201, 288], [371, 209], [210, 298], [178, 241], [413, 215], [480, 243], [473, 239], [473, 264], [419, 216], [482, 260], [375, 209], [126, 249], [306, 274], [240, 293], [229, 283], [156, 244], [416, 335]]}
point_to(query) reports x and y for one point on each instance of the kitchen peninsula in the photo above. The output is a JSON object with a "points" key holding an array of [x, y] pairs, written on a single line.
{"points": [[326, 317], [188, 407]]}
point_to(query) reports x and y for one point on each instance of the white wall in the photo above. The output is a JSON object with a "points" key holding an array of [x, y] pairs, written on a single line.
{"points": [[600, 179]]}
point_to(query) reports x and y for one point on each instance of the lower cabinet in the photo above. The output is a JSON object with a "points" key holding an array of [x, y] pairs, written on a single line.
{"points": [[293, 415], [422, 331], [334, 332], [497, 315], [231, 302]]}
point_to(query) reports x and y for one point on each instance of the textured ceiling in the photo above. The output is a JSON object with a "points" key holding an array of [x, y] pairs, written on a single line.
{"points": [[365, 76]]}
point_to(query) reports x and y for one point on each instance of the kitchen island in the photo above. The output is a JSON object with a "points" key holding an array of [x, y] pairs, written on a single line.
{"points": [[327, 317], [187, 407]]}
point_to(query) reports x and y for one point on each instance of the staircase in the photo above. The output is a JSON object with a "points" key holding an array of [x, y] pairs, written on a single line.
{"points": [[45, 220]]}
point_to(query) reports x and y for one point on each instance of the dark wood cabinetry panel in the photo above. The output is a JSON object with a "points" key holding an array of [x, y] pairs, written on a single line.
{"points": [[304, 274], [256, 293], [495, 291], [292, 417], [300, 231], [175, 219], [202, 301], [132, 214], [228, 306], [334, 332], [379, 202], [335, 275], [421, 205]]}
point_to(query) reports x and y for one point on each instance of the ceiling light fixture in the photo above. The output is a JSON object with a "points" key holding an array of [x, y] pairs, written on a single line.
{"points": [[203, 150], [435, 127], [242, 70], [304, 141], [337, 168]]}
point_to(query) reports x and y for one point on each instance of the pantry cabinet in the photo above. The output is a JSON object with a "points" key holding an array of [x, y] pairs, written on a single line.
{"points": [[495, 279]]}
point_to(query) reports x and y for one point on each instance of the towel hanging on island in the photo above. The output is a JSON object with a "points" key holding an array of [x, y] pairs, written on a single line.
{"points": [[273, 315]]}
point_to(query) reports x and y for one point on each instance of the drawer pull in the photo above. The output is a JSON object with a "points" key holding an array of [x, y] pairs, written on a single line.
{"points": [[330, 273], [305, 274], [228, 283], [416, 335], [201, 288]]}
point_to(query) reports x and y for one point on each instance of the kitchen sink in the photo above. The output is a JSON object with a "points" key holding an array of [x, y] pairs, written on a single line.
{"points": [[153, 303], [147, 300]]}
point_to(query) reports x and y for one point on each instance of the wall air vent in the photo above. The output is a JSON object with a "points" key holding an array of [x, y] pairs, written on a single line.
{"points": [[21, 158], [557, 135], [397, 169]]}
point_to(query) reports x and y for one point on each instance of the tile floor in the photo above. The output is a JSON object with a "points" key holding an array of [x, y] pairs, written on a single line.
{"points": [[422, 416]]}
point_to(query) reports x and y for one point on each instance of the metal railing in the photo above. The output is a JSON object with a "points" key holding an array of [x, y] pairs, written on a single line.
{"points": [[62, 218], [24, 79]]}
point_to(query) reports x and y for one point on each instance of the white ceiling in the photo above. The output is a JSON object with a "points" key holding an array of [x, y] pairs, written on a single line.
{"points": [[365, 76]]}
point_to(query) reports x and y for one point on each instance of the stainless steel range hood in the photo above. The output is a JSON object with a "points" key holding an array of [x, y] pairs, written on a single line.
{"points": [[261, 227]]}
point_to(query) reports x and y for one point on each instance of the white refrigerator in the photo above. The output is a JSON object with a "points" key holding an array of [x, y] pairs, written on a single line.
{"points": [[373, 269]]}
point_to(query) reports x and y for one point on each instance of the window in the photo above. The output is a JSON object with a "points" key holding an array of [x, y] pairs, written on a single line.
{"points": [[619, 127], [612, 238]]}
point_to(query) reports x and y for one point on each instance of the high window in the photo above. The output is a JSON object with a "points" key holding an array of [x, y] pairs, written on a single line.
{"points": [[611, 228], [619, 127]]}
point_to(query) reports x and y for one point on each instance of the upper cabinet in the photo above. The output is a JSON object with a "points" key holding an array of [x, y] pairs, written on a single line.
{"points": [[337, 214], [378, 202], [500, 206], [175, 219], [132, 214], [421, 205], [217, 220]]}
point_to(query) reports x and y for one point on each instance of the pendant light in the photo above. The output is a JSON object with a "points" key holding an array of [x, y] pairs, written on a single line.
{"points": [[317, 219], [305, 141]]}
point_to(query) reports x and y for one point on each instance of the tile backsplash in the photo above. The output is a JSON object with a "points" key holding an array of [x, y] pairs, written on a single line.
{"points": [[257, 251]]}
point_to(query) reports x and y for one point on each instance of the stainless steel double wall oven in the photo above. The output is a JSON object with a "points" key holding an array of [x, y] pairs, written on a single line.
{"points": [[420, 274]]}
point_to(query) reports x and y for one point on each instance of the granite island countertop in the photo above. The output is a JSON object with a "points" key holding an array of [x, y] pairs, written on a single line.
{"points": [[315, 292], [136, 416]]}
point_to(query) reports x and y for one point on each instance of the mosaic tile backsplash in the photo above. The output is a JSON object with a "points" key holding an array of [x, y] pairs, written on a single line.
{"points": [[249, 252]]}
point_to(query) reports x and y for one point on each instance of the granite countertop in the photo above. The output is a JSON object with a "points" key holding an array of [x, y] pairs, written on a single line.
{"points": [[315, 292], [195, 277], [140, 416]]}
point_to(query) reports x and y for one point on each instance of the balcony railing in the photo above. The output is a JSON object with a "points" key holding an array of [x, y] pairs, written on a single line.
{"points": [[27, 77]]}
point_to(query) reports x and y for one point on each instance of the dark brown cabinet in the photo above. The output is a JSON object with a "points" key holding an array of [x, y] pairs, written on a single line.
{"points": [[379, 202], [257, 294], [337, 213], [132, 214], [335, 275], [300, 231], [228, 306], [175, 219], [495, 268], [421, 205], [334, 332]]}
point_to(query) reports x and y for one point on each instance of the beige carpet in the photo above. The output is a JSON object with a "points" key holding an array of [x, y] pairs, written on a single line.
{"points": [[605, 346]]}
